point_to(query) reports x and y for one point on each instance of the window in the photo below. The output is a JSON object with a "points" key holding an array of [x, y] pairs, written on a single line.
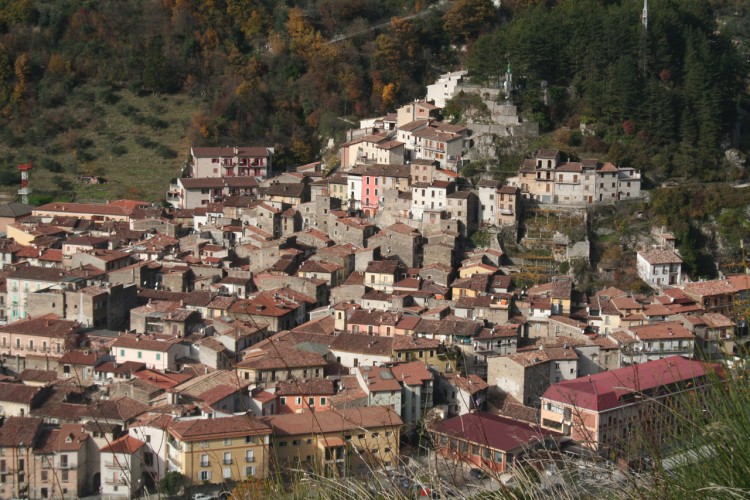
{"points": [[227, 441], [227, 458], [205, 475], [250, 470], [308, 441], [375, 434], [311, 401], [148, 459], [322, 401], [249, 456], [158, 356], [388, 433], [204, 460], [296, 442], [140, 354], [122, 352], [282, 400], [298, 400], [249, 440]]}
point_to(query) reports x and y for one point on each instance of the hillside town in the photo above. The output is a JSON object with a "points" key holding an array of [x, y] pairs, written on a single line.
{"points": [[323, 319]]}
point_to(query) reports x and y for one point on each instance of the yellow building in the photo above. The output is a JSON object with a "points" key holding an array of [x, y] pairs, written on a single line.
{"points": [[219, 450], [331, 442], [470, 269]]}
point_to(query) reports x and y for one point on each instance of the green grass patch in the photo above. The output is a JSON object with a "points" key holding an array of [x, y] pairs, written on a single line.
{"points": [[135, 143]]}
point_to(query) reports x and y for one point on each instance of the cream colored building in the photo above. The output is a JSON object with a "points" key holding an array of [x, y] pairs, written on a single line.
{"points": [[219, 450], [333, 442]]}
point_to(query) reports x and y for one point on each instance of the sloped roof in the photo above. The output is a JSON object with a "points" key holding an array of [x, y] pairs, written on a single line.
{"points": [[127, 444], [605, 390], [493, 431], [348, 419]]}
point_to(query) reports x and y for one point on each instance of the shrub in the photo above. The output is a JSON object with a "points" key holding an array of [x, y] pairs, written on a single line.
{"points": [[171, 483], [51, 165], [165, 152], [118, 150]]}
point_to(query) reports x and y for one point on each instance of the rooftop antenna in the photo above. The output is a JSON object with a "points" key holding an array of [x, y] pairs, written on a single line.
{"points": [[24, 191]]}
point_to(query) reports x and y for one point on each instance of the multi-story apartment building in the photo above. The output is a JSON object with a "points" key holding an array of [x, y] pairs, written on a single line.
{"points": [[159, 352], [19, 436], [625, 409], [654, 341], [498, 205], [122, 466], [219, 450], [429, 197], [659, 268], [41, 336], [231, 162], [332, 442], [715, 296], [63, 463], [547, 180]]}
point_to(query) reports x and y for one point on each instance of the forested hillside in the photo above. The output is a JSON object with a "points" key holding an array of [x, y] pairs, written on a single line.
{"points": [[113, 87], [662, 98]]}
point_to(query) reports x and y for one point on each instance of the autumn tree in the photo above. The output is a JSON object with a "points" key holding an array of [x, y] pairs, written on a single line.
{"points": [[466, 19]]}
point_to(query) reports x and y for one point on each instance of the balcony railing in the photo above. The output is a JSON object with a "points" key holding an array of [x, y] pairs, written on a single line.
{"points": [[250, 459], [112, 480], [205, 464], [227, 461]]}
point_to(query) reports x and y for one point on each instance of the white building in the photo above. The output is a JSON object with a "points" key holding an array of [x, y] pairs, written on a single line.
{"points": [[354, 181], [445, 87], [158, 352], [659, 267], [122, 464], [432, 196], [154, 434]]}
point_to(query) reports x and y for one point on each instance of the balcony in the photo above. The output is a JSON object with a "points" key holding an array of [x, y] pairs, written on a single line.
{"points": [[205, 463], [110, 464], [115, 481], [227, 461], [250, 459]]}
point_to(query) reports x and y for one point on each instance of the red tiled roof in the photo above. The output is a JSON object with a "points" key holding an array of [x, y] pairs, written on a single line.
{"points": [[205, 429], [124, 445], [708, 288], [493, 431], [664, 330], [345, 419], [659, 257], [160, 343], [605, 390]]}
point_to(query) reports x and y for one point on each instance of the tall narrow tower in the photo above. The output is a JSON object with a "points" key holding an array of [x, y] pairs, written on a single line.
{"points": [[644, 15], [24, 191]]}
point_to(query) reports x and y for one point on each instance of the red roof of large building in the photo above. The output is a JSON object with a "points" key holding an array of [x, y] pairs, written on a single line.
{"points": [[493, 431], [605, 391]]}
